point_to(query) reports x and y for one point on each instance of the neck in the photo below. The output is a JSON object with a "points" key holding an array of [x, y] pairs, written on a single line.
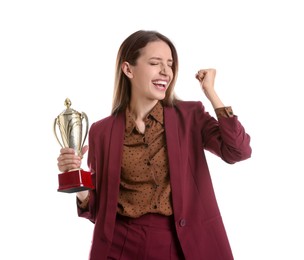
{"points": [[140, 108]]}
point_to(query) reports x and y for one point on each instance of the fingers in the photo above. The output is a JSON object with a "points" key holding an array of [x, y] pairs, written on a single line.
{"points": [[67, 150], [201, 74], [68, 160]]}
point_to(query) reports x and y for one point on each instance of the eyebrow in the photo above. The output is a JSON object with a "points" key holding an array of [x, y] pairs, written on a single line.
{"points": [[160, 59]]}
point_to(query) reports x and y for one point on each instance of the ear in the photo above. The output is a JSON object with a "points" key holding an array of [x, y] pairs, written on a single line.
{"points": [[127, 70]]}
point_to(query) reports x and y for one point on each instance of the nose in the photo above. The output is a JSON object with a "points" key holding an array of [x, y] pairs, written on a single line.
{"points": [[163, 70]]}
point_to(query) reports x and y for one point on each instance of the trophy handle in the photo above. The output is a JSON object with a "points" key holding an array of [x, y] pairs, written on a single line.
{"points": [[84, 116], [55, 132]]}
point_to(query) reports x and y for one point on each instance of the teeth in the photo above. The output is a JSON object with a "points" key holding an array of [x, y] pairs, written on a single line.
{"points": [[160, 82]]}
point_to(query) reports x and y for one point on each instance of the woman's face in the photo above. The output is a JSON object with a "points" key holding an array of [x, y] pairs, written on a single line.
{"points": [[152, 74]]}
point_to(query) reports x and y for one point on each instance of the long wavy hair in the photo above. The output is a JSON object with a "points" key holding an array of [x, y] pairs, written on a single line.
{"points": [[129, 51]]}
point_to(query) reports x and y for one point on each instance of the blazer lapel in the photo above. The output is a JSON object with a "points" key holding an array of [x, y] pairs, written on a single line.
{"points": [[174, 157], [114, 168], [115, 151]]}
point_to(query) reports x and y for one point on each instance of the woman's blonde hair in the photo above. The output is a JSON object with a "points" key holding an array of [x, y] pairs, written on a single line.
{"points": [[130, 51]]}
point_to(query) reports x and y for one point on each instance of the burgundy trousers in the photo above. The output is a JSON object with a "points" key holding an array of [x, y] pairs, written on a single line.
{"points": [[149, 237]]}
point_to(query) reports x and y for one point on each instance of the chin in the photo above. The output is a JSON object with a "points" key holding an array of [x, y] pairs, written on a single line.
{"points": [[160, 98]]}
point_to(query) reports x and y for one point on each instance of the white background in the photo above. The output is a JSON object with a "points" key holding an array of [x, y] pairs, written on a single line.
{"points": [[50, 50]]}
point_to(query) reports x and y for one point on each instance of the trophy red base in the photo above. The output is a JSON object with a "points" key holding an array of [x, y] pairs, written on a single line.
{"points": [[75, 181]]}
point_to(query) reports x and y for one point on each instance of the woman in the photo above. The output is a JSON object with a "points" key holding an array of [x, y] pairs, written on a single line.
{"points": [[153, 196]]}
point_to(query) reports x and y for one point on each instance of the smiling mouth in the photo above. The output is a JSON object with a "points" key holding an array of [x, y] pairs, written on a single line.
{"points": [[160, 84]]}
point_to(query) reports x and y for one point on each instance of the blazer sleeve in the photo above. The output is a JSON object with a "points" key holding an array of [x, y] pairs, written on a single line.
{"points": [[225, 137]]}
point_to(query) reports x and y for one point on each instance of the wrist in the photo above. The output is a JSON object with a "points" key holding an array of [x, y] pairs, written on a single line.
{"points": [[82, 195], [214, 99]]}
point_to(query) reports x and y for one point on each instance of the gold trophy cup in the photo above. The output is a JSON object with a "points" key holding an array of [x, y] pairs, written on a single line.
{"points": [[70, 124]]}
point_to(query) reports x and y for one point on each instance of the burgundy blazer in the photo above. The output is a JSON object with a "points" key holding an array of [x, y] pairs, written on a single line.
{"points": [[190, 130]]}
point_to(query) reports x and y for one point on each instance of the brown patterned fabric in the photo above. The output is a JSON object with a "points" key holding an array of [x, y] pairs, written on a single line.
{"points": [[224, 112], [145, 184]]}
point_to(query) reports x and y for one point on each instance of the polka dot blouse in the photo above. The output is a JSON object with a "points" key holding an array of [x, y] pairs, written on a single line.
{"points": [[145, 182]]}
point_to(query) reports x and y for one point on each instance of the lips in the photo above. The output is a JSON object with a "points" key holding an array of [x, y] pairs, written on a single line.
{"points": [[160, 84]]}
